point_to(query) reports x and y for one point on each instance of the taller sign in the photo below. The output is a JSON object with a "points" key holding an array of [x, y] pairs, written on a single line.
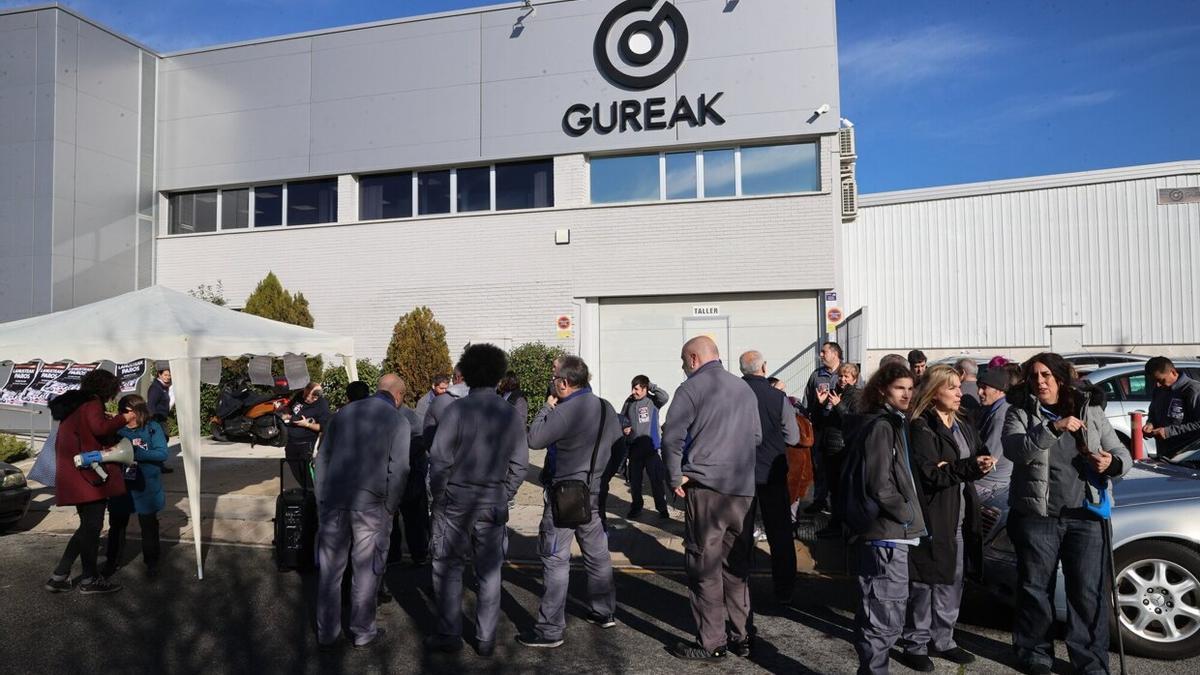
{"points": [[645, 59]]}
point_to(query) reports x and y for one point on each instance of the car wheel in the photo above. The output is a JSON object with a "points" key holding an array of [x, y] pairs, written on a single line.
{"points": [[1158, 595]]}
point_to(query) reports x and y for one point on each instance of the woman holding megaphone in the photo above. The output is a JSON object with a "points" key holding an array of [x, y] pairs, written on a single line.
{"points": [[143, 481], [85, 428]]}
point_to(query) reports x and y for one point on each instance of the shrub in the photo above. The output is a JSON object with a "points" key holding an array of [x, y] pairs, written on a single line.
{"points": [[271, 300], [210, 293], [13, 449], [533, 364], [334, 381], [417, 351]]}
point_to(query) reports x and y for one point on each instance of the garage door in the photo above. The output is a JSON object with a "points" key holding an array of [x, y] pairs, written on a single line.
{"points": [[644, 335]]}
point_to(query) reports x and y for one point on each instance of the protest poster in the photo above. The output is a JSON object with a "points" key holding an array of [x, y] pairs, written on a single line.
{"points": [[69, 380], [22, 375], [131, 374], [35, 393]]}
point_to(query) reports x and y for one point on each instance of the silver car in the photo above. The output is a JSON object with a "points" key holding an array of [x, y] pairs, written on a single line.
{"points": [[1156, 542], [1127, 391]]}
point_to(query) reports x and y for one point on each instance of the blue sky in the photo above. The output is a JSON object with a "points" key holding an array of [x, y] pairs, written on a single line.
{"points": [[940, 92]]}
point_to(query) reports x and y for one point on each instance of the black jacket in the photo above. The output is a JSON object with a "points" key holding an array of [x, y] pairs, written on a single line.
{"points": [[889, 480], [940, 492]]}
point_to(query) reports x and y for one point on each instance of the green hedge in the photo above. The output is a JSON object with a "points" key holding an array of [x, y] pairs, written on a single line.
{"points": [[533, 364], [13, 449]]}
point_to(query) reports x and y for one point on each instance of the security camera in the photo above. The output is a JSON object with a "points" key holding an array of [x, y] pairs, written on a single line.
{"points": [[823, 109], [847, 124]]}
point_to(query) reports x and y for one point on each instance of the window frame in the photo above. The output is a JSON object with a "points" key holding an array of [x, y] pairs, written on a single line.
{"points": [[700, 191]]}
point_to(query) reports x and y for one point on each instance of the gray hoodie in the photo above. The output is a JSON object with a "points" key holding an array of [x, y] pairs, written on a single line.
{"points": [[715, 418], [571, 426], [479, 456]]}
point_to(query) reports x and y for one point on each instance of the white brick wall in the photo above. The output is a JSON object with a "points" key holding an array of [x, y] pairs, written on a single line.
{"points": [[500, 275]]}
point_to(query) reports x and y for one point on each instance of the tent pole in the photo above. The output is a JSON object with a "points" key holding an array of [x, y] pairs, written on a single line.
{"points": [[186, 375]]}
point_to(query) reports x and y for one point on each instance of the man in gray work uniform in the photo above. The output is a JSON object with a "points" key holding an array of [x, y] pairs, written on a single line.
{"points": [[779, 430], [717, 413], [573, 423], [362, 470], [476, 464]]}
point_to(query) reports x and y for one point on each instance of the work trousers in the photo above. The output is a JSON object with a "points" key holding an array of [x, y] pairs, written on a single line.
{"points": [[361, 539], [644, 458], [118, 522], [879, 620], [554, 548], [773, 503], [481, 533], [933, 611], [85, 543], [610, 471], [414, 515], [717, 563], [1042, 543]]}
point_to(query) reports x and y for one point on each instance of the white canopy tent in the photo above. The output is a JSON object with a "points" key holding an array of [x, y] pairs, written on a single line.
{"points": [[166, 325]]}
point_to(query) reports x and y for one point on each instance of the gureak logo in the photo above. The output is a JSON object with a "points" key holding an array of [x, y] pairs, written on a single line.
{"points": [[645, 58]]}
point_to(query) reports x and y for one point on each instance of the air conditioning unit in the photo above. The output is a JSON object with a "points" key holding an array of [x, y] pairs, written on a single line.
{"points": [[846, 144], [849, 199], [848, 170]]}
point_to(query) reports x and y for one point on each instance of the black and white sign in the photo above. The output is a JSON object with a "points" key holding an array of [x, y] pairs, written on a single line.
{"points": [[69, 380], [22, 375], [36, 393], [706, 310], [130, 374]]}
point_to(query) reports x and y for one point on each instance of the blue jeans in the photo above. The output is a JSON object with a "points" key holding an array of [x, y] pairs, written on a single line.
{"points": [[1078, 543]]}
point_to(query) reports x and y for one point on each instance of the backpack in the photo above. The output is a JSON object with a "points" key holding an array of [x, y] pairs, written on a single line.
{"points": [[853, 504]]}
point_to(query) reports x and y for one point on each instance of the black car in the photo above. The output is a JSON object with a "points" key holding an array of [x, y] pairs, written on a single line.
{"points": [[15, 496]]}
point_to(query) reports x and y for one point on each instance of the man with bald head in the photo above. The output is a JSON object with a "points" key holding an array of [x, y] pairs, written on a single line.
{"points": [[779, 430], [715, 415], [362, 469]]}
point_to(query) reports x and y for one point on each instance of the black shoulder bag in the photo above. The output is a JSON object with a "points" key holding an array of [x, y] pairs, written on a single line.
{"points": [[571, 500]]}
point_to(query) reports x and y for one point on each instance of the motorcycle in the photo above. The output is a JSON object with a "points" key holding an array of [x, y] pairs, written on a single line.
{"points": [[249, 416]]}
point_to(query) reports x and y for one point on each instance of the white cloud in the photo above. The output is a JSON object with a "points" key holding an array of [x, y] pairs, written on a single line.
{"points": [[890, 61]]}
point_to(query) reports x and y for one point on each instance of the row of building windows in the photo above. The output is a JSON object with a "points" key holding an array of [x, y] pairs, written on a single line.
{"points": [[695, 174], [306, 202], [498, 187], [703, 174]]}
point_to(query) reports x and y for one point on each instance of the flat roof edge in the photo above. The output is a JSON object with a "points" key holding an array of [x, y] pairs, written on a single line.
{"points": [[1032, 183], [482, 9], [91, 22]]}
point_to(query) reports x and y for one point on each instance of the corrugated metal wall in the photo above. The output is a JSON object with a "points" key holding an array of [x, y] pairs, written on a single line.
{"points": [[993, 270]]}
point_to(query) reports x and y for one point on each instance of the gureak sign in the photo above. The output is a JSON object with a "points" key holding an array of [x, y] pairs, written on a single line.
{"points": [[642, 63]]}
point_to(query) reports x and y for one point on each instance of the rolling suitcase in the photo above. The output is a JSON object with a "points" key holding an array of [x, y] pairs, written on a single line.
{"points": [[295, 526]]}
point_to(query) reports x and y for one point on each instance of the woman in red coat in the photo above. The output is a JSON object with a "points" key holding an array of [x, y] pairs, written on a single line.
{"points": [[85, 428]]}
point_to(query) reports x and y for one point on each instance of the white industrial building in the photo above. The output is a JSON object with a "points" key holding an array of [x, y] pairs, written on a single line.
{"points": [[551, 176], [1093, 261]]}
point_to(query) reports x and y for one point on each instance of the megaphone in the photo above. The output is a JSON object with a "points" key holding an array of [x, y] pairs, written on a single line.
{"points": [[121, 453]]}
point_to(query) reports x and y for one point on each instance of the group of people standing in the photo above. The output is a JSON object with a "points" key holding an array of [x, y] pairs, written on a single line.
{"points": [[903, 463]]}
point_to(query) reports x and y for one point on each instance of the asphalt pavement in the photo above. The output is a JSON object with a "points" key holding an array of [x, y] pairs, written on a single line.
{"points": [[246, 617]]}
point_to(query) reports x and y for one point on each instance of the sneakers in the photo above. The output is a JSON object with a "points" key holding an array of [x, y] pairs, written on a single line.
{"points": [[664, 514], [690, 651], [58, 585], [741, 647], [444, 643], [601, 620], [1036, 668], [380, 633], [538, 642], [918, 662], [956, 655], [634, 512], [486, 649], [98, 586]]}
